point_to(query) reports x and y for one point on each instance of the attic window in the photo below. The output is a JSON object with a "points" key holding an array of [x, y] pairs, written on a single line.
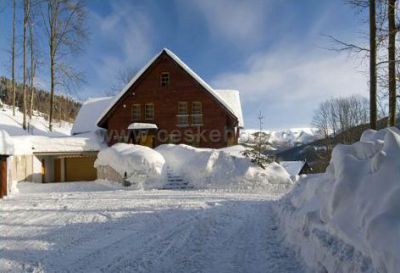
{"points": [[164, 79]]}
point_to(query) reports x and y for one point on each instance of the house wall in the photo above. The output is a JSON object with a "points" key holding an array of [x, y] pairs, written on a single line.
{"points": [[182, 87]]}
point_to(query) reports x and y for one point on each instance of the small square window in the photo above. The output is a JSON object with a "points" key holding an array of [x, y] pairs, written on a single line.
{"points": [[164, 79], [149, 111]]}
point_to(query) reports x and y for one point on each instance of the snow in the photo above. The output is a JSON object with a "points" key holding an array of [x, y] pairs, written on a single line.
{"points": [[38, 125], [232, 98], [223, 168], [139, 126], [206, 86], [139, 163], [292, 167], [348, 219], [6, 143], [26, 145], [91, 227], [282, 139], [86, 120]]}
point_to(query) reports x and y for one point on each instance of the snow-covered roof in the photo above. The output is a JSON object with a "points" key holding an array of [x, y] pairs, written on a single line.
{"points": [[86, 120], [25, 145], [6, 143], [139, 126], [292, 167], [232, 98], [205, 85]]}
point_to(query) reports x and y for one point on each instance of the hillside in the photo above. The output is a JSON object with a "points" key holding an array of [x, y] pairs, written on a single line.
{"points": [[38, 125]]}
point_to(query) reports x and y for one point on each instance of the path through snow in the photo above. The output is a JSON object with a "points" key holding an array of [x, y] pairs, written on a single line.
{"points": [[89, 227]]}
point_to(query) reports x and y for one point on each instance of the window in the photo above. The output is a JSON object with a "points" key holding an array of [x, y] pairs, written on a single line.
{"points": [[197, 113], [136, 113], [149, 111], [182, 114], [164, 79]]}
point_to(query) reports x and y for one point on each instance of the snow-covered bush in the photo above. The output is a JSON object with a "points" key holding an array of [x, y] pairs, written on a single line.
{"points": [[137, 164], [225, 168], [348, 219]]}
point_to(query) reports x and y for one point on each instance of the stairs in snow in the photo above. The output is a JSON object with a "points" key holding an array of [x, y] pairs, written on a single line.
{"points": [[175, 182]]}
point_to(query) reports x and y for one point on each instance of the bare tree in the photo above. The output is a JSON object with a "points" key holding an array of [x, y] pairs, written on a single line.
{"points": [[339, 115], [32, 73], [13, 56], [64, 22], [392, 62], [372, 64], [26, 20], [123, 77]]}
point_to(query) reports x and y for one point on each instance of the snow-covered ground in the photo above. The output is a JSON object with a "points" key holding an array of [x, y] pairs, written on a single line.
{"points": [[39, 125], [94, 227], [348, 219]]}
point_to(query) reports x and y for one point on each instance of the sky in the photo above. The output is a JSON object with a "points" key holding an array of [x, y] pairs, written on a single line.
{"points": [[275, 52]]}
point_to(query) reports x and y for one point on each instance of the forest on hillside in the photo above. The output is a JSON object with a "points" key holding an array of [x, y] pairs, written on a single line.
{"points": [[65, 108]]}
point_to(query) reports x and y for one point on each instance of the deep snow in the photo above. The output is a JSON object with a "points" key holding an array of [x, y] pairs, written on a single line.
{"points": [[348, 219], [92, 227]]}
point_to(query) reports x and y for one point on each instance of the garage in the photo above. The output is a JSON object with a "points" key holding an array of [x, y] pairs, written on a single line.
{"points": [[67, 167]]}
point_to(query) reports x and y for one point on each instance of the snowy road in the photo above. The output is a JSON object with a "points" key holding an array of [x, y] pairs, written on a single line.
{"points": [[89, 227]]}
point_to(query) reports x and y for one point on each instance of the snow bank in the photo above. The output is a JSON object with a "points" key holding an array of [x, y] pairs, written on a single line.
{"points": [[348, 219], [140, 164], [223, 169]]}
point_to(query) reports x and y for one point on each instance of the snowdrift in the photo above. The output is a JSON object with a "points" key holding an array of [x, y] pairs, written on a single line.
{"points": [[348, 219], [223, 168], [138, 164]]}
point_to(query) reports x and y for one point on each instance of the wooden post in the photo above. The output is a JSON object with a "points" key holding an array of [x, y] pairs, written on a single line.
{"points": [[3, 176]]}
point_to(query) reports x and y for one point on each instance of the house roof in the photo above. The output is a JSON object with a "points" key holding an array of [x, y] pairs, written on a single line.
{"points": [[86, 120], [293, 167], [232, 98], [205, 85]]}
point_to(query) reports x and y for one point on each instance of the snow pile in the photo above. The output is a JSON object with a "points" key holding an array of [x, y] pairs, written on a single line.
{"points": [[282, 139], [139, 164], [223, 168], [348, 219]]}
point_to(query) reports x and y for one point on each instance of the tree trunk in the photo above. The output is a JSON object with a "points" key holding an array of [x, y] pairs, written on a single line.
{"points": [[26, 17], [13, 61], [392, 62], [51, 87], [33, 68], [372, 64]]}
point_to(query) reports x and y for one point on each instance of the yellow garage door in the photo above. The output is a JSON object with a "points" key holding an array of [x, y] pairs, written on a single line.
{"points": [[80, 169]]}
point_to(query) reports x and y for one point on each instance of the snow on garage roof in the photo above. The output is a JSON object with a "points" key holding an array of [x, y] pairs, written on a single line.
{"points": [[232, 98], [185, 67], [86, 120]]}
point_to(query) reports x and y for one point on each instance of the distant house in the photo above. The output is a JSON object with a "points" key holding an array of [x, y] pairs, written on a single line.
{"points": [[295, 167], [166, 102]]}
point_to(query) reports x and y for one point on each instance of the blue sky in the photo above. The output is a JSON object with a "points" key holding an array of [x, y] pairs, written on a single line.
{"points": [[273, 51]]}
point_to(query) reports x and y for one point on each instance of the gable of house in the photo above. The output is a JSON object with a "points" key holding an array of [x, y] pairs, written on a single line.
{"points": [[155, 63]]}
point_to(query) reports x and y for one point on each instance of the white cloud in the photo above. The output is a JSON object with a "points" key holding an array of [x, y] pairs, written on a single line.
{"points": [[122, 40], [288, 84], [235, 20]]}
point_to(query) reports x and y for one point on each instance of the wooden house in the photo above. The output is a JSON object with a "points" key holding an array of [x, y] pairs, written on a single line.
{"points": [[167, 102]]}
